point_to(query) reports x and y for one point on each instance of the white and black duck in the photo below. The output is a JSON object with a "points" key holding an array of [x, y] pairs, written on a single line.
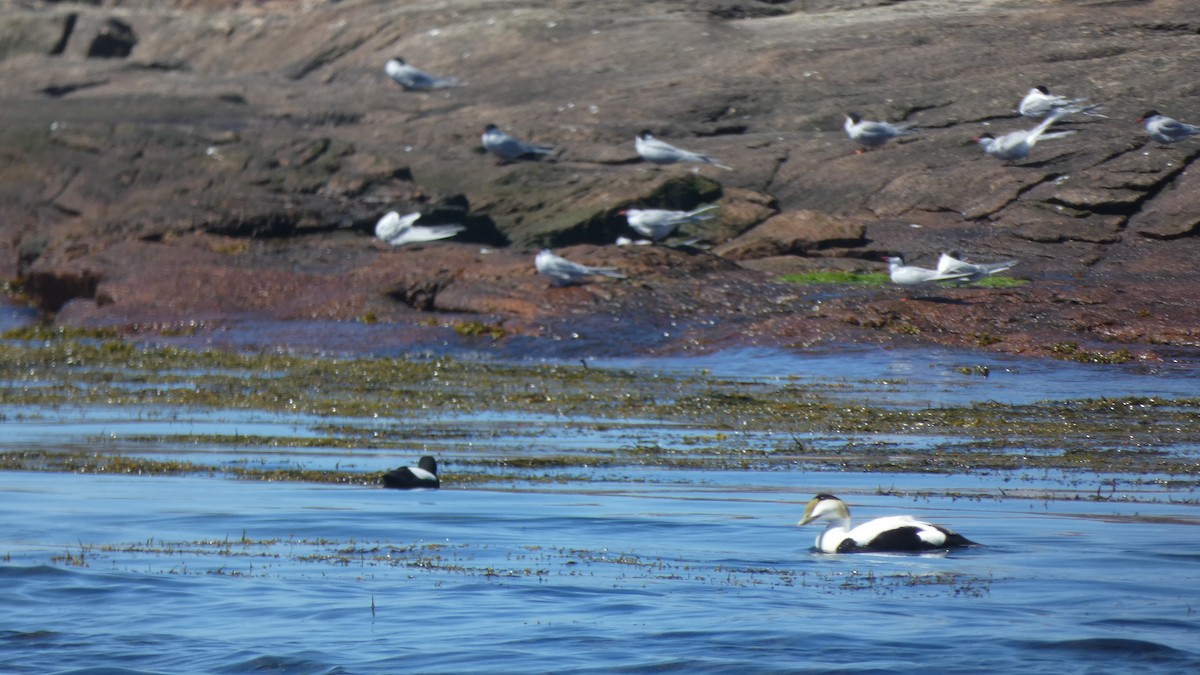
{"points": [[891, 533], [423, 475]]}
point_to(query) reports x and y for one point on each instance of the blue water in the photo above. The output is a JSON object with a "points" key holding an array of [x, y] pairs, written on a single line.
{"points": [[931, 376], [623, 569], [192, 574]]}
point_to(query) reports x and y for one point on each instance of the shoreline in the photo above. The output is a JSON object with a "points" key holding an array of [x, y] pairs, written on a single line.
{"points": [[230, 166]]}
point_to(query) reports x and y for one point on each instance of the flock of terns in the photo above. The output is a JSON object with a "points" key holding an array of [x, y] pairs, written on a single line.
{"points": [[892, 533], [657, 224]]}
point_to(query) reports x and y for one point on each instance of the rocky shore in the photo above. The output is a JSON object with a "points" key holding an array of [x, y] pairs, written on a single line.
{"points": [[190, 165]]}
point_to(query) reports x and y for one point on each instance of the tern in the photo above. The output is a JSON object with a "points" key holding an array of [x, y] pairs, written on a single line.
{"points": [[951, 264], [423, 475], [658, 223], [1017, 144], [508, 148], [873, 134], [890, 533], [1039, 102], [658, 152], [563, 272], [415, 79], [399, 230], [1165, 129], [910, 275]]}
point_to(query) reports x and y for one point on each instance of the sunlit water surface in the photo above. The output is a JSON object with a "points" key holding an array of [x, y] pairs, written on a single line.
{"points": [[642, 569], [188, 574]]}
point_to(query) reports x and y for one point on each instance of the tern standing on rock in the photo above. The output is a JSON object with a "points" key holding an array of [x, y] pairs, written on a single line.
{"points": [[1039, 102], [953, 264], [658, 152], [563, 272], [415, 79], [873, 134], [508, 148], [659, 223], [1166, 130], [910, 275], [1017, 144], [399, 230]]}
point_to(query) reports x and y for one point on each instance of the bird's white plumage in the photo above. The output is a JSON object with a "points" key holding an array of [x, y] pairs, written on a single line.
{"points": [[414, 79], [1018, 144], [890, 533], [424, 475], [626, 241], [1165, 129], [948, 264], [399, 230], [655, 151], [562, 271], [911, 275], [508, 148], [421, 474], [1039, 102], [659, 223], [873, 134]]}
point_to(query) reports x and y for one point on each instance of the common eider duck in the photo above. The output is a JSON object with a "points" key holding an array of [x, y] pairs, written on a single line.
{"points": [[892, 533], [423, 475]]}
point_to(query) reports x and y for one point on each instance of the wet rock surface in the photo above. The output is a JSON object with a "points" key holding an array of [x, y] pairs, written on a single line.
{"points": [[182, 164]]}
